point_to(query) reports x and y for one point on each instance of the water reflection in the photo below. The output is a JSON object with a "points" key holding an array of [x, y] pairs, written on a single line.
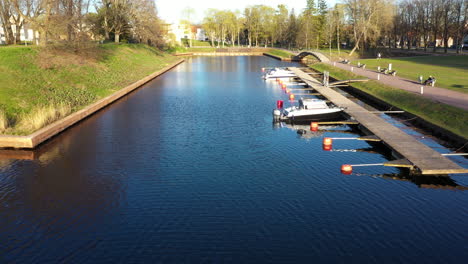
{"points": [[442, 182], [190, 169]]}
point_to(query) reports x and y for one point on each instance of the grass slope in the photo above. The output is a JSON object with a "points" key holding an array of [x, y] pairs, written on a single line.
{"points": [[448, 117], [280, 53], [49, 83], [451, 72]]}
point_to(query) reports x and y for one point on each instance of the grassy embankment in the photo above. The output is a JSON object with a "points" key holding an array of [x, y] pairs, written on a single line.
{"points": [[280, 53], [448, 117], [451, 72], [342, 54], [207, 49], [39, 86]]}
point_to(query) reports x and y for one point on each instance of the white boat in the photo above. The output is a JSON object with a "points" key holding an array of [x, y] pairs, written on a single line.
{"points": [[307, 111], [278, 73]]}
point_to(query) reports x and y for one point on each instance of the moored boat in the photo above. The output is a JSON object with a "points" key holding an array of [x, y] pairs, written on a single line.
{"points": [[307, 111], [278, 73]]}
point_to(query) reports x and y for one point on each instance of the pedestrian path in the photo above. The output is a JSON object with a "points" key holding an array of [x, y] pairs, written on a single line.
{"points": [[442, 95]]}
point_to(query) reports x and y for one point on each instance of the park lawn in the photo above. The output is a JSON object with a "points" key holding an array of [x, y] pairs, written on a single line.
{"points": [[451, 118], [335, 55], [35, 80], [207, 49], [451, 72], [199, 43], [280, 53]]}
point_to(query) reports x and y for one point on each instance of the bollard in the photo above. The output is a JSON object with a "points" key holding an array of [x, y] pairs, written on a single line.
{"points": [[422, 89], [378, 76], [352, 68]]}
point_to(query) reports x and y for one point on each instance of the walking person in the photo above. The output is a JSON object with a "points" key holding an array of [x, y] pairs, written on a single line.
{"points": [[378, 56], [420, 79]]}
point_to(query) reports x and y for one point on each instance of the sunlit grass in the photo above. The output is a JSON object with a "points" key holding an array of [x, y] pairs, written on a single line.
{"points": [[451, 72], [34, 80], [42, 116], [280, 53], [451, 118], [3, 121]]}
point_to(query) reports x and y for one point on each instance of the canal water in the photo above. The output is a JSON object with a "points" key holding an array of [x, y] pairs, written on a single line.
{"points": [[191, 169]]}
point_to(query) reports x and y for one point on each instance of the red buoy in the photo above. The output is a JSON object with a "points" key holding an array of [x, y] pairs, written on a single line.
{"points": [[279, 104], [327, 147], [327, 141], [283, 86], [286, 91], [346, 169], [313, 126], [291, 97], [263, 69]]}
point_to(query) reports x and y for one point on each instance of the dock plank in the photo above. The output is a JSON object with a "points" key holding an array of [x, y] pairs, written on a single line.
{"points": [[425, 159]]}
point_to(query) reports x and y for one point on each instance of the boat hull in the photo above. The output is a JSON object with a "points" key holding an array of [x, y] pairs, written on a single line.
{"points": [[332, 116]]}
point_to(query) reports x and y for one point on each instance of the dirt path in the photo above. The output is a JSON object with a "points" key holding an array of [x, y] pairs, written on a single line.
{"points": [[442, 95]]}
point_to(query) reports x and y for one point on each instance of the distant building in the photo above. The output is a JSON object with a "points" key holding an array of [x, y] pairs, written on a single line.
{"points": [[200, 35], [26, 34]]}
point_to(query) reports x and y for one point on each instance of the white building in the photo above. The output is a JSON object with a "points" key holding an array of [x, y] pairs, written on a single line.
{"points": [[26, 34], [200, 35]]}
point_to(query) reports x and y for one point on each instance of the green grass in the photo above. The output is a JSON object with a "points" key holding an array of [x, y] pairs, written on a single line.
{"points": [[451, 118], [33, 79], [199, 43], [451, 72], [201, 49], [334, 55], [280, 53]]}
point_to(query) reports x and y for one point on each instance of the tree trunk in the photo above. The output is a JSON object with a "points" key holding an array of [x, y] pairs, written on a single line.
{"points": [[18, 34], [117, 37], [338, 44], [42, 37], [9, 38]]}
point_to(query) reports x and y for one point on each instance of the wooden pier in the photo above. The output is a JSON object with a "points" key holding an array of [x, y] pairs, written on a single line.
{"points": [[421, 158]]}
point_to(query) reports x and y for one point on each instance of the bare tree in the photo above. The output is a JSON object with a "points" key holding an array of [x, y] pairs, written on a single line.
{"points": [[5, 15]]}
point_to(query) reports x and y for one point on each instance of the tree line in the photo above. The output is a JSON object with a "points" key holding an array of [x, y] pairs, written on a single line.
{"points": [[358, 24], [75, 21]]}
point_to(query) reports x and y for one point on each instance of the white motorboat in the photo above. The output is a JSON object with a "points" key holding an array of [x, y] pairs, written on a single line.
{"points": [[307, 111], [278, 73]]}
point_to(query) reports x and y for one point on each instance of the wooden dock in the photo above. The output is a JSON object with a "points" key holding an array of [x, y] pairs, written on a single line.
{"points": [[422, 158]]}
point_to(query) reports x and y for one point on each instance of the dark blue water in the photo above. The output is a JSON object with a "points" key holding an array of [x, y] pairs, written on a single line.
{"points": [[191, 169]]}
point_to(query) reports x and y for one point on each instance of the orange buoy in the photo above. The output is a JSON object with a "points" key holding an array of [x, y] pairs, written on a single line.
{"points": [[327, 147], [283, 86], [291, 97], [263, 69], [286, 91], [313, 126], [346, 169], [327, 141], [277, 79], [279, 104]]}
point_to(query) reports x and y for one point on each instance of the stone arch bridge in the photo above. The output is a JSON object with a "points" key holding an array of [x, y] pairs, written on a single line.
{"points": [[318, 55]]}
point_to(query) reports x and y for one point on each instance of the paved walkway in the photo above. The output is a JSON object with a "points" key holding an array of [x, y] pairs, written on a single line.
{"points": [[442, 95]]}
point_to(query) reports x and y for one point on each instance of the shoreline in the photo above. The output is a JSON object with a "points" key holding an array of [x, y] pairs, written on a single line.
{"points": [[40, 136]]}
